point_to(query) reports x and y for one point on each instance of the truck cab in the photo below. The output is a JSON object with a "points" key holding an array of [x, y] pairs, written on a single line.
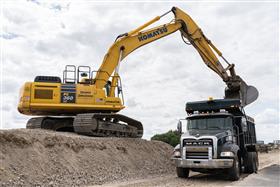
{"points": [[219, 137]]}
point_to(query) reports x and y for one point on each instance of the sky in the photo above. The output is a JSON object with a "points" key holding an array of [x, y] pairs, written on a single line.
{"points": [[41, 37]]}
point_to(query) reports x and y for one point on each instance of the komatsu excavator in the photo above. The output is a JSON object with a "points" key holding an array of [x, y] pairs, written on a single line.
{"points": [[87, 102]]}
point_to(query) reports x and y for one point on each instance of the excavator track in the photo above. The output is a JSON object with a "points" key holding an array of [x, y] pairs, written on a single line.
{"points": [[91, 124], [107, 125], [51, 123]]}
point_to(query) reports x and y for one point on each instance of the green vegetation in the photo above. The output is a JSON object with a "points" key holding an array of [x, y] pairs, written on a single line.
{"points": [[171, 137]]}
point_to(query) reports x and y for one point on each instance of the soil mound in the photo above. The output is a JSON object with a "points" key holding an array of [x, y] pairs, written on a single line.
{"points": [[44, 158]]}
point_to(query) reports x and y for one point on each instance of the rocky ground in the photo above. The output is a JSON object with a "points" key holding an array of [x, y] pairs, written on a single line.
{"points": [[46, 158]]}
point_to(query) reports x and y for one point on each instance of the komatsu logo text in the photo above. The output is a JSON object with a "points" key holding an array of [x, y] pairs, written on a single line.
{"points": [[159, 31]]}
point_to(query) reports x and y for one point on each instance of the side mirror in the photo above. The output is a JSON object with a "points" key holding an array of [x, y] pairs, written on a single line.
{"points": [[179, 127]]}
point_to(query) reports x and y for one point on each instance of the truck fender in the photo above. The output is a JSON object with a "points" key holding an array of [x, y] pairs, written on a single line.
{"points": [[230, 147]]}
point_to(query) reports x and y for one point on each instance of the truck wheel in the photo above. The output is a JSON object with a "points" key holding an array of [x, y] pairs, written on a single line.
{"points": [[234, 171], [257, 162], [182, 172], [252, 162]]}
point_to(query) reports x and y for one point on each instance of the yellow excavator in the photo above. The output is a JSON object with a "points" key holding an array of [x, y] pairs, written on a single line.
{"points": [[87, 102]]}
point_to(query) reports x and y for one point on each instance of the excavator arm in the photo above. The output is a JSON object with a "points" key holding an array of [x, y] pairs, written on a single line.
{"points": [[128, 42]]}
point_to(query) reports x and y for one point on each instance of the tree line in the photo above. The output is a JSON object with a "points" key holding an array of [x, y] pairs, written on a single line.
{"points": [[171, 137]]}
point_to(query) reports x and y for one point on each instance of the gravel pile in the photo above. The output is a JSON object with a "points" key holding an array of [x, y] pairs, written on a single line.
{"points": [[46, 158]]}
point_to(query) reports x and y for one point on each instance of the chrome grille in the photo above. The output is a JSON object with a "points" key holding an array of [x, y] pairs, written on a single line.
{"points": [[197, 155], [198, 149]]}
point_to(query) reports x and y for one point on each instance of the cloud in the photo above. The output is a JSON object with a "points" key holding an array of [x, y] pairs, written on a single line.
{"points": [[8, 36], [131, 102], [268, 116], [41, 37]]}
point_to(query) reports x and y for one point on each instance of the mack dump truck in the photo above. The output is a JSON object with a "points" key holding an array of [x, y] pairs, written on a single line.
{"points": [[219, 137]]}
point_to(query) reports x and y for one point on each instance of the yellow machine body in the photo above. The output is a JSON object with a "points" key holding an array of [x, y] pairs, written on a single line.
{"points": [[40, 98]]}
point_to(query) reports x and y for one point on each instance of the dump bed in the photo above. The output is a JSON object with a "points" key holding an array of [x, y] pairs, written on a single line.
{"points": [[230, 105]]}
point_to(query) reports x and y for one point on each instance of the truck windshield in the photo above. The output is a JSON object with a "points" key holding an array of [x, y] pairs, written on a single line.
{"points": [[217, 123]]}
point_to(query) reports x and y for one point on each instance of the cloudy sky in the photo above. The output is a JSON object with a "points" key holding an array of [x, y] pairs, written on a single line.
{"points": [[41, 37]]}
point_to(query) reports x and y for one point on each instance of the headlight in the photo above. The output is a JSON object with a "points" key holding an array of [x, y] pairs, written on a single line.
{"points": [[227, 154], [176, 154]]}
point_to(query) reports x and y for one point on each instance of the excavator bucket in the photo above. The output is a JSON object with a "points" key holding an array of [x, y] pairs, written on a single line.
{"points": [[238, 89]]}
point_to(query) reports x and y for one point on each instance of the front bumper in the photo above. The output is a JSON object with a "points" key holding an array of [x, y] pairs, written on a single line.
{"points": [[203, 163]]}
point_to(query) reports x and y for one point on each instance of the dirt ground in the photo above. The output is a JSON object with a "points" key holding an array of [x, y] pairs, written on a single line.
{"points": [[197, 179], [46, 158]]}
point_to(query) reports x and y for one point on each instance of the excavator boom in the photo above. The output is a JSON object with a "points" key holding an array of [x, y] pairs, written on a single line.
{"points": [[128, 42]]}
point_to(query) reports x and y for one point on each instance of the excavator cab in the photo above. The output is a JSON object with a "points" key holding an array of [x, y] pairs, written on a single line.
{"points": [[84, 75]]}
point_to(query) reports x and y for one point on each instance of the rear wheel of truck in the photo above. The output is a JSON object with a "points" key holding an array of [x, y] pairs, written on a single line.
{"points": [[234, 171], [182, 172], [251, 162]]}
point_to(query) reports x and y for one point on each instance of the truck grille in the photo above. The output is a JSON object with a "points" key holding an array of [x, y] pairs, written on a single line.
{"points": [[197, 155], [198, 149]]}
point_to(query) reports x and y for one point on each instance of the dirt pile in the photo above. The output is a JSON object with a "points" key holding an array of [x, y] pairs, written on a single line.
{"points": [[46, 158]]}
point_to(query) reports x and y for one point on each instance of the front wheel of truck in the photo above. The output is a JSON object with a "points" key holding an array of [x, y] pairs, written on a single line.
{"points": [[182, 172], [234, 171]]}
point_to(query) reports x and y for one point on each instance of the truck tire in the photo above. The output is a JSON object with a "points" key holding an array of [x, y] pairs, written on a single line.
{"points": [[234, 171], [182, 172], [257, 162], [251, 162]]}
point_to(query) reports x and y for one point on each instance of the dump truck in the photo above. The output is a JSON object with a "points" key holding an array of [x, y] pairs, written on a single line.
{"points": [[220, 137]]}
